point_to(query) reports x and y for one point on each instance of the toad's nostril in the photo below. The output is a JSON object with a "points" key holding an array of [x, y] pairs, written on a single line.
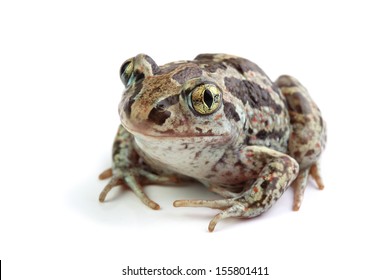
{"points": [[160, 106], [158, 116]]}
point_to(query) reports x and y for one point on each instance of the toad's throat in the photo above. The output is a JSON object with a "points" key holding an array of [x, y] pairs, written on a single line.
{"points": [[188, 156]]}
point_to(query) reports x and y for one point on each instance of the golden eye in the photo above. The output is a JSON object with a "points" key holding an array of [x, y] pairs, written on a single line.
{"points": [[126, 71], [206, 99]]}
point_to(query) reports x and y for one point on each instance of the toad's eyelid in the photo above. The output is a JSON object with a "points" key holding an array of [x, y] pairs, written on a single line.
{"points": [[192, 84]]}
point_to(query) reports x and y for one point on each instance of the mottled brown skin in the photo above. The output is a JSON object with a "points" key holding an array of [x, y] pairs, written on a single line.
{"points": [[306, 121], [220, 120]]}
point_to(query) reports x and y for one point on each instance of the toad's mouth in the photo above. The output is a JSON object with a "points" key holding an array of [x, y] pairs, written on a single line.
{"points": [[149, 135], [170, 134]]}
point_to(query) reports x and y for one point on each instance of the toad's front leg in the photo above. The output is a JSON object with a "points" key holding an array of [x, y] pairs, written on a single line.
{"points": [[277, 173], [129, 170]]}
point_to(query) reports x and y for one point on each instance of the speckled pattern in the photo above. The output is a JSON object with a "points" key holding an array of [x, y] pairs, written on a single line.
{"points": [[220, 120]]}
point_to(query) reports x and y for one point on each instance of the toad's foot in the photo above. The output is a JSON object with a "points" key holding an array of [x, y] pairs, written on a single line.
{"points": [[300, 183], [133, 178], [230, 207]]}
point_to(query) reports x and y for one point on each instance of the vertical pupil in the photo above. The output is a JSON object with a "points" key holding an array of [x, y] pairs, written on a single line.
{"points": [[124, 66], [208, 98]]}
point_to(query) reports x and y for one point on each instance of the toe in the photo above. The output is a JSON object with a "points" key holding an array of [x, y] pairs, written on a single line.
{"points": [[234, 211], [215, 204], [113, 183], [137, 189], [105, 174]]}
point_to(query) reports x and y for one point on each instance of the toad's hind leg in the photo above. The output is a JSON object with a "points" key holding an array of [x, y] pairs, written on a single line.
{"points": [[275, 176], [308, 136]]}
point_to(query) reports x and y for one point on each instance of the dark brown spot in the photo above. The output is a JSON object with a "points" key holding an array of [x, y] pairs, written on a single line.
{"points": [[251, 93], [138, 86], [186, 74], [155, 68], [158, 116], [262, 134], [164, 69], [303, 140], [222, 160], [127, 106], [197, 154], [243, 65], [230, 111], [205, 56], [310, 152], [214, 66], [139, 76], [272, 134], [297, 102], [167, 102], [265, 184], [199, 129], [135, 90], [297, 154]]}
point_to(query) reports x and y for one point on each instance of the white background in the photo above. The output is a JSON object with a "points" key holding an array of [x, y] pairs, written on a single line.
{"points": [[60, 88]]}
